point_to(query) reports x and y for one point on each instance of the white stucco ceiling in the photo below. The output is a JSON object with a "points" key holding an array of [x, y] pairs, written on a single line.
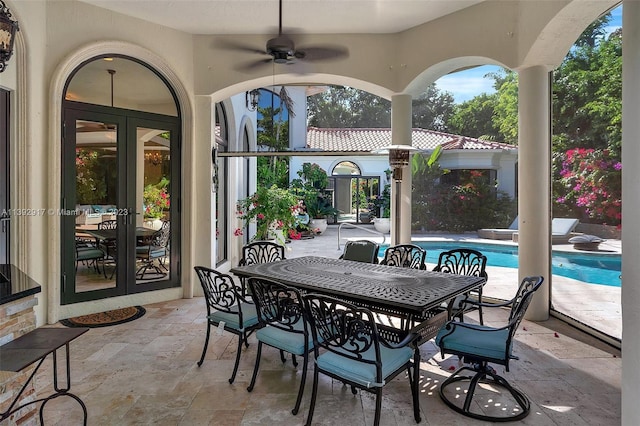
{"points": [[307, 16]]}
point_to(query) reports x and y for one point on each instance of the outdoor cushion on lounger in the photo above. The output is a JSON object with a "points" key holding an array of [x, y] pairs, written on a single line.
{"points": [[499, 233], [561, 230]]}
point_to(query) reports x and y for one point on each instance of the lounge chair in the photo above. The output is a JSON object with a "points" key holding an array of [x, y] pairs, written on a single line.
{"points": [[499, 233], [561, 230]]}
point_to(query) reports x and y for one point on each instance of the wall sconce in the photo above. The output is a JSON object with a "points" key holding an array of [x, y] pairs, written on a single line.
{"points": [[251, 98], [8, 28]]}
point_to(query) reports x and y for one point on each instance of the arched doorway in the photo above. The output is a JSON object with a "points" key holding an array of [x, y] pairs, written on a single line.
{"points": [[120, 181], [351, 192]]}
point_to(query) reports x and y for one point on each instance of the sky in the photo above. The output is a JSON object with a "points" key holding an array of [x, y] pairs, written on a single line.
{"points": [[465, 85]]}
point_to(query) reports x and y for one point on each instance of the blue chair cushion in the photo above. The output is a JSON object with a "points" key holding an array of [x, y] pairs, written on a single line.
{"points": [[489, 344], [360, 372], [232, 320], [90, 254], [291, 342], [154, 252]]}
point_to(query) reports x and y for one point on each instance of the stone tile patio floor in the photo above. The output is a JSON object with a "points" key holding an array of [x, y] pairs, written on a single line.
{"points": [[144, 373]]}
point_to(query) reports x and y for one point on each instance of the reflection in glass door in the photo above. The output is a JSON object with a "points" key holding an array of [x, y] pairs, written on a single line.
{"points": [[153, 227], [94, 199], [122, 194]]}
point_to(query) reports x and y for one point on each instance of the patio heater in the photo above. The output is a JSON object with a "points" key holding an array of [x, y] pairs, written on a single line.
{"points": [[8, 28], [398, 158]]}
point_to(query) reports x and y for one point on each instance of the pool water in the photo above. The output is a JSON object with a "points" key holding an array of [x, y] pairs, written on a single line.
{"points": [[593, 268]]}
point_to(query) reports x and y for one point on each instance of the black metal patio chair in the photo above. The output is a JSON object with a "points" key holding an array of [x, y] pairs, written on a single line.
{"points": [[259, 252], [361, 251], [480, 345], [464, 261], [226, 307], [405, 256], [282, 325], [156, 249], [349, 347]]}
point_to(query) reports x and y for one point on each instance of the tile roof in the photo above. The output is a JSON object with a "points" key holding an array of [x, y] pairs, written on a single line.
{"points": [[368, 139]]}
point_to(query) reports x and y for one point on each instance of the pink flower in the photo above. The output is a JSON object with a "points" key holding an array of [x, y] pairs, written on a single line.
{"points": [[260, 216], [238, 232]]}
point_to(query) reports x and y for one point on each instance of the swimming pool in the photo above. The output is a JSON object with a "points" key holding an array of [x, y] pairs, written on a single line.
{"points": [[594, 268]]}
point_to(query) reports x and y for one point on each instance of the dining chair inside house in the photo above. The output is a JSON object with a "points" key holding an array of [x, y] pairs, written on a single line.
{"points": [[405, 256], [349, 347], [463, 261], [259, 252], [282, 325], [479, 345], [108, 246], [226, 309], [87, 253], [361, 251], [157, 249]]}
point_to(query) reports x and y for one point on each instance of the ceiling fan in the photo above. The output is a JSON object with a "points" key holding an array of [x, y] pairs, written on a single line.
{"points": [[282, 50]]}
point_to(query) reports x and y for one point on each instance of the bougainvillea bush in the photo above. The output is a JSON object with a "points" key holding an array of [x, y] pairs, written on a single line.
{"points": [[588, 185]]}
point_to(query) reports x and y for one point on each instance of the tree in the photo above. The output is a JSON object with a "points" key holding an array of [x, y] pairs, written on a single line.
{"points": [[343, 107], [474, 117], [433, 109], [346, 107], [587, 93], [273, 134], [505, 116]]}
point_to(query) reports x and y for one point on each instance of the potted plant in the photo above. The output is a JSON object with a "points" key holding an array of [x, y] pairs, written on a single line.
{"points": [[380, 205], [311, 189], [156, 201], [274, 211], [319, 208]]}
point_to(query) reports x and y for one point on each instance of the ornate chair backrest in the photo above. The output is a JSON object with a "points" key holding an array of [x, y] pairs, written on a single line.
{"points": [[521, 301], [405, 256], [260, 252], [361, 251], [219, 290], [161, 237], [108, 224], [344, 329], [278, 305], [462, 262]]}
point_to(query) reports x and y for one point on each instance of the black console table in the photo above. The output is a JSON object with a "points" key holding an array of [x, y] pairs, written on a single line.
{"points": [[34, 347]]}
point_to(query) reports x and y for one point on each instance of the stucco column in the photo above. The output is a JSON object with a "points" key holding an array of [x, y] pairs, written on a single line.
{"points": [[204, 203], [630, 208], [534, 177], [401, 114]]}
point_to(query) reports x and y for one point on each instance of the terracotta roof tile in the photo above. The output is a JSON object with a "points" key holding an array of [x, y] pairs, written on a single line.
{"points": [[368, 139]]}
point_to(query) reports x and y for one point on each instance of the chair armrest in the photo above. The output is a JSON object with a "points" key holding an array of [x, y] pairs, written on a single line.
{"points": [[392, 337], [486, 304]]}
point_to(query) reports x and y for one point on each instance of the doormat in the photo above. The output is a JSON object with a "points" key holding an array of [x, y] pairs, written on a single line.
{"points": [[105, 319]]}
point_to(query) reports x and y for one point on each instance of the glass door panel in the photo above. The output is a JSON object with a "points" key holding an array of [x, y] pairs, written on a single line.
{"points": [[153, 194], [92, 207]]}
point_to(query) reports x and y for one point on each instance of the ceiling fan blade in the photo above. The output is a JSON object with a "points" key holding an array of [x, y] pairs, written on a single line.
{"points": [[253, 65], [229, 44], [322, 53]]}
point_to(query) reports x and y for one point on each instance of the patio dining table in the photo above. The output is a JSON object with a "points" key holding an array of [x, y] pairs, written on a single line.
{"points": [[142, 233], [414, 296]]}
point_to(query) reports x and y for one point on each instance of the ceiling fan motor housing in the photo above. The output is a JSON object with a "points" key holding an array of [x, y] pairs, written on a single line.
{"points": [[281, 48]]}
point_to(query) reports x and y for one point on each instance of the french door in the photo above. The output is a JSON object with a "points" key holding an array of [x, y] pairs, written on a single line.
{"points": [[120, 208]]}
